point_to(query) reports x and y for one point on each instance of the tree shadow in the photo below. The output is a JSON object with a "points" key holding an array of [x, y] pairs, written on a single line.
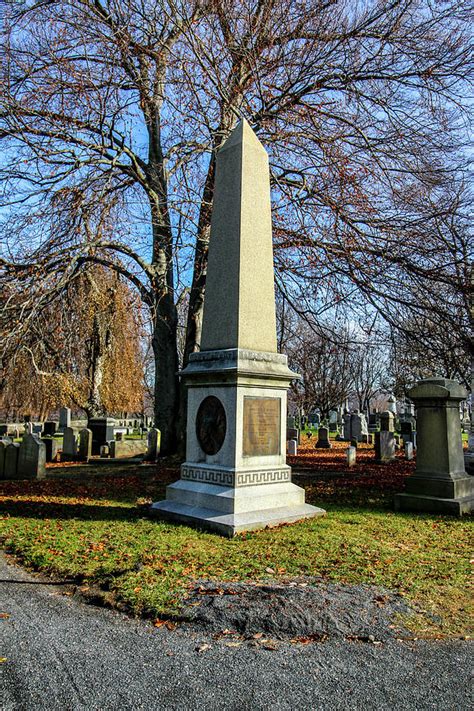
{"points": [[83, 512]]}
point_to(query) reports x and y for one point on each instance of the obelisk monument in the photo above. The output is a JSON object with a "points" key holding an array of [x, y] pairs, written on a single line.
{"points": [[235, 477]]}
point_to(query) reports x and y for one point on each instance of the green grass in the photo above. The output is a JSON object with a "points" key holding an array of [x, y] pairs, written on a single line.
{"points": [[96, 533]]}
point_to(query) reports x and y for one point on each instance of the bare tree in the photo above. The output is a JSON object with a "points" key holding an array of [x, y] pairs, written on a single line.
{"points": [[124, 105]]}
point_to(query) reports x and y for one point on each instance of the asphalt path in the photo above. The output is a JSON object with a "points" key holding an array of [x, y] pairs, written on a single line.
{"points": [[58, 653]]}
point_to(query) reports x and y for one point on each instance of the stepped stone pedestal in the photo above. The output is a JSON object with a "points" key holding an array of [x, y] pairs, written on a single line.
{"points": [[440, 482], [235, 477]]}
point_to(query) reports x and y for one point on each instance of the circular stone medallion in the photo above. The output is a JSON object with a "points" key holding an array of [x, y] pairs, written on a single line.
{"points": [[211, 425]]}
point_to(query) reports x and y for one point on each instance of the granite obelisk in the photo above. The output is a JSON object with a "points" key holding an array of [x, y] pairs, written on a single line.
{"points": [[235, 477]]}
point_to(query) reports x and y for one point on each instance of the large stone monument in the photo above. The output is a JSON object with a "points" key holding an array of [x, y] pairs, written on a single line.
{"points": [[235, 477], [439, 482]]}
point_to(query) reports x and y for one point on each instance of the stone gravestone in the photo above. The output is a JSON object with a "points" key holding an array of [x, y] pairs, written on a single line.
{"points": [[4, 442], [50, 428], [293, 433], [385, 439], [64, 418], [290, 423], [69, 443], [406, 430], [440, 482], [409, 450], [154, 444], [52, 448], [28, 428], [351, 455], [292, 448], [235, 477], [387, 421], [85, 445], [11, 461], [31, 458], [102, 432], [346, 427], [323, 439]]}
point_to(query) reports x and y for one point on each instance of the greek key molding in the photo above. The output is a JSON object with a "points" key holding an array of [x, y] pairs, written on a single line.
{"points": [[235, 479]]}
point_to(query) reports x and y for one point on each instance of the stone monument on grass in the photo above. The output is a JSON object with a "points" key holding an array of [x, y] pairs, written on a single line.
{"points": [[439, 482], [235, 477]]}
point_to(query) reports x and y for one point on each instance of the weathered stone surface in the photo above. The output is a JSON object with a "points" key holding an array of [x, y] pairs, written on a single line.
{"points": [[358, 426], [53, 447], [154, 444], [50, 428], [4, 442], [323, 439], [69, 442], [84, 450], [351, 456], [384, 446], [102, 431], [409, 450], [440, 482], [387, 421], [240, 244], [11, 461], [121, 449], [292, 448], [64, 418], [31, 458]]}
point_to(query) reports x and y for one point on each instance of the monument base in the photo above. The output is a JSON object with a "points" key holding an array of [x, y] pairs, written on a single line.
{"points": [[434, 504], [229, 510], [451, 495]]}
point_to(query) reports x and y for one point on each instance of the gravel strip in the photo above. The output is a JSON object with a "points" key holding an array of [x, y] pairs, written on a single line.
{"points": [[58, 653]]}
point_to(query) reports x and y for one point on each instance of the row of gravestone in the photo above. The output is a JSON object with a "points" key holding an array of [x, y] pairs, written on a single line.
{"points": [[27, 459]]}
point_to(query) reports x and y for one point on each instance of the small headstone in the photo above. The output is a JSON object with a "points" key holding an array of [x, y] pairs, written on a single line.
{"points": [[3, 446], [292, 448], [370, 438], [387, 421], [346, 427], [52, 448], [351, 454], [28, 428], [32, 458], [119, 436], [11, 460], [154, 445], [64, 418], [323, 439], [384, 446], [50, 428], [104, 451], [293, 433], [290, 423], [85, 445], [358, 426], [409, 450], [69, 442]]}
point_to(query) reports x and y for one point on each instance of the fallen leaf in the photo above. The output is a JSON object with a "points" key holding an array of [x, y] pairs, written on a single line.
{"points": [[203, 647], [269, 570], [4, 615]]}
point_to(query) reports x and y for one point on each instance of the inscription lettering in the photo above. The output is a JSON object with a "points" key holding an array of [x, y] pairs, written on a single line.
{"points": [[261, 426]]}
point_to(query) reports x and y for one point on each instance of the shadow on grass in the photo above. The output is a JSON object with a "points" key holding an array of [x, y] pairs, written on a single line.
{"points": [[84, 512]]}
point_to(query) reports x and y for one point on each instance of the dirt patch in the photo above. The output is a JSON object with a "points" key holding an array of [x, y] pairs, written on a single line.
{"points": [[297, 610]]}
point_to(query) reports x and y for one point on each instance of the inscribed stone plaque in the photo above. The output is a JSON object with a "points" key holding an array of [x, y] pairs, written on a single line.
{"points": [[261, 435]]}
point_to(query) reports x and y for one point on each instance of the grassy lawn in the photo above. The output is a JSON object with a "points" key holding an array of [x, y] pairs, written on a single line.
{"points": [[96, 532]]}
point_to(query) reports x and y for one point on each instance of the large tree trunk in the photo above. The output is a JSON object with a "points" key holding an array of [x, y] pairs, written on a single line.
{"points": [[97, 354]]}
